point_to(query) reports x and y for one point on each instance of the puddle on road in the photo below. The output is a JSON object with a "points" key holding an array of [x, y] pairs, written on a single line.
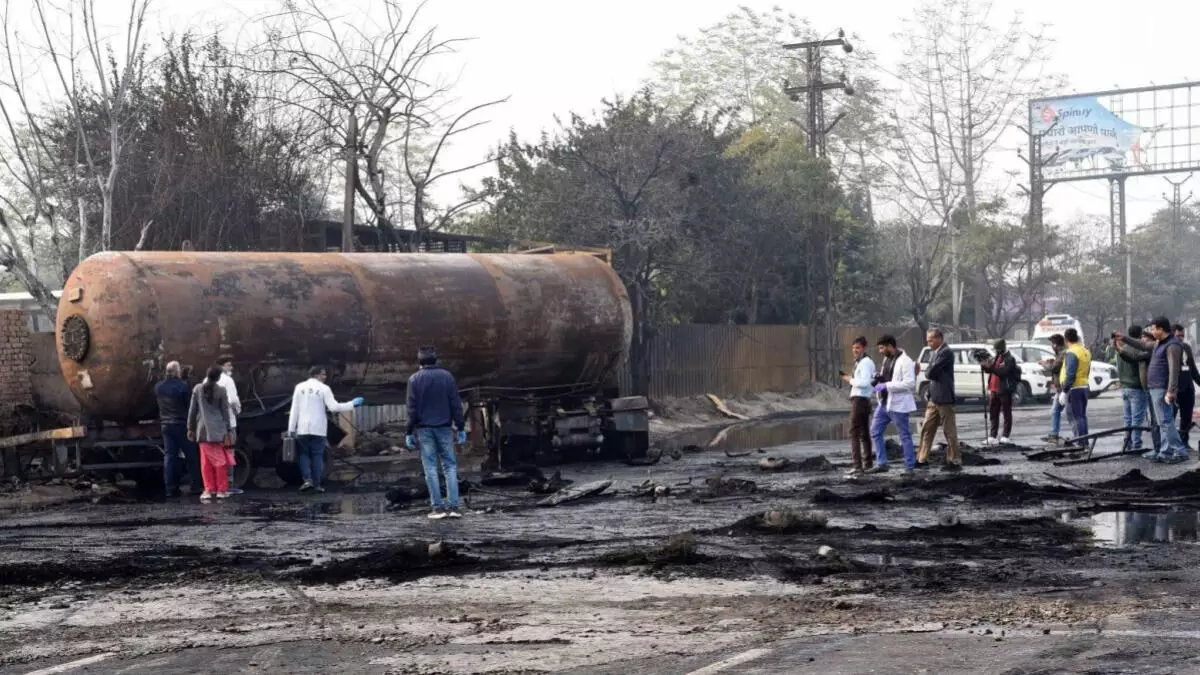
{"points": [[751, 435], [1123, 529]]}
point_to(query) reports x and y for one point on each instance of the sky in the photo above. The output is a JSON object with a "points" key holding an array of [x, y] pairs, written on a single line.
{"points": [[552, 57]]}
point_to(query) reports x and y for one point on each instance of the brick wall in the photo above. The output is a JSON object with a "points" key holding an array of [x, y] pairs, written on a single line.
{"points": [[15, 359]]}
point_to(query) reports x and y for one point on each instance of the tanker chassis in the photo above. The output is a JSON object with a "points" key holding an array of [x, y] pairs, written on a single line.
{"points": [[534, 341]]}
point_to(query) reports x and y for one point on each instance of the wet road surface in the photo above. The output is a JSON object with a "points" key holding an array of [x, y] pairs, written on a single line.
{"points": [[893, 572]]}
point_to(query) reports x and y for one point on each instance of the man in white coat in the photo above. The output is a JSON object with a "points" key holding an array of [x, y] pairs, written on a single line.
{"points": [[312, 400], [235, 409], [894, 386]]}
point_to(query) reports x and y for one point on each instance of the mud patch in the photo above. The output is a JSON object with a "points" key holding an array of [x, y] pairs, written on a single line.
{"points": [[680, 549], [397, 562], [158, 562], [827, 496], [779, 521], [1000, 489]]}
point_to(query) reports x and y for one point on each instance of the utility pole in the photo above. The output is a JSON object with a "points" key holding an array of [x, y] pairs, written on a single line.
{"points": [[1038, 187], [813, 89], [351, 174], [1176, 202]]}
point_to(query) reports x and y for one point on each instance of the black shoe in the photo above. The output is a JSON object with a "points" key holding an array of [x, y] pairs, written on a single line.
{"points": [[878, 468], [952, 468], [172, 493], [922, 465]]}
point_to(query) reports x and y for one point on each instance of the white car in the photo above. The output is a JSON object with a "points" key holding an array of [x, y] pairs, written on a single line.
{"points": [[970, 380], [1102, 377]]}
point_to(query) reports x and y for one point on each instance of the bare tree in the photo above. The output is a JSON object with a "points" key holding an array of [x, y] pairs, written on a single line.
{"points": [[335, 70], [114, 80], [25, 208], [965, 81]]}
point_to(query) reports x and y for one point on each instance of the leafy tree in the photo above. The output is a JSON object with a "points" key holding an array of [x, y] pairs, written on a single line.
{"points": [[649, 184]]}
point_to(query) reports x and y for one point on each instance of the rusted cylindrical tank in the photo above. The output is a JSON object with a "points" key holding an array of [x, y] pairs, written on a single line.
{"points": [[497, 320]]}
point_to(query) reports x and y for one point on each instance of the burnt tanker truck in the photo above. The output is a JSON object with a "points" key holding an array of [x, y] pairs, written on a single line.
{"points": [[534, 341]]}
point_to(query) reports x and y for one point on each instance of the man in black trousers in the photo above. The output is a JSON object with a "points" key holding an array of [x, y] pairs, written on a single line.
{"points": [[1188, 380]]}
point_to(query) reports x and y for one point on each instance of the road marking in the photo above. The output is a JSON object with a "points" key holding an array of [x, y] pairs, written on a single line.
{"points": [[64, 667], [732, 661]]}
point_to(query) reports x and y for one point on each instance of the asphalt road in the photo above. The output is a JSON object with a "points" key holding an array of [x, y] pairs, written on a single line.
{"points": [[277, 582]]}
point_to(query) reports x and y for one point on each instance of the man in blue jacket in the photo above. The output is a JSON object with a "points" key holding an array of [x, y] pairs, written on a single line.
{"points": [[434, 411], [174, 396]]}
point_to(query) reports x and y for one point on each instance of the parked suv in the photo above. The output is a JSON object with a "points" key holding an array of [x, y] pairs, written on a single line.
{"points": [[970, 380]]}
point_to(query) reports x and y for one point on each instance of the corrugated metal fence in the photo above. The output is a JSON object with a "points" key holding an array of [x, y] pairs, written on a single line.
{"points": [[730, 360], [726, 360]]}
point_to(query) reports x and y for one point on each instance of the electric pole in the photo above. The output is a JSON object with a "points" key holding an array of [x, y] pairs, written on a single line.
{"points": [[813, 90], [1176, 202], [1038, 187], [351, 174]]}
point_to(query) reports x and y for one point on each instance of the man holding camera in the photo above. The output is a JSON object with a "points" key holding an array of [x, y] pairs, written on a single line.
{"points": [[939, 411], [894, 386], [1131, 372], [1004, 378]]}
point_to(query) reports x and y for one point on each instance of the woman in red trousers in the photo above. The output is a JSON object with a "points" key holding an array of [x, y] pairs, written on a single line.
{"points": [[208, 424]]}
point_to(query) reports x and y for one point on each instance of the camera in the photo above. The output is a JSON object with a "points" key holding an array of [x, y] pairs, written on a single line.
{"points": [[981, 355]]}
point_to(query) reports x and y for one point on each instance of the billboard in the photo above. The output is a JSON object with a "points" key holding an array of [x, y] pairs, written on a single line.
{"points": [[1152, 130]]}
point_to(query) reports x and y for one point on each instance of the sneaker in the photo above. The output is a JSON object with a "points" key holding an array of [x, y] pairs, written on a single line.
{"points": [[455, 513], [308, 485], [437, 514], [991, 441], [1050, 438], [879, 468], [206, 497], [1175, 459], [952, 468], [1005, 441], [319, 489], [222, 495], [907, 472], [236, 491], [854, 473], [1151, 455]]}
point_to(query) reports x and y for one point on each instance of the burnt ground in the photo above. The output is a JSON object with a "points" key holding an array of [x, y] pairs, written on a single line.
{"points": [[793, 570]]}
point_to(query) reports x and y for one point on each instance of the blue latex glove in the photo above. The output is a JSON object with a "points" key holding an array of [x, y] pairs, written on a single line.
{"points": [[880, 388], [410, 442], [462, 437], [357, 402]]}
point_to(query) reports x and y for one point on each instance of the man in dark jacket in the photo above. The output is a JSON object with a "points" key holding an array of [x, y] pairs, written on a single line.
{"points": [[939, 410], [434, 410], [174, 397], [1134, 397], [1004, 379], [1190, 377], [1163, 375]]}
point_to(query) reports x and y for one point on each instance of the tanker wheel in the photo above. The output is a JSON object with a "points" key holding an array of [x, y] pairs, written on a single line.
{"points": [[244, 469]]}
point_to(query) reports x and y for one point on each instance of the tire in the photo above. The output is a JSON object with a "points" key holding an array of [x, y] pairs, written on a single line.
{"points": [[1022, 395], [244, 469]]}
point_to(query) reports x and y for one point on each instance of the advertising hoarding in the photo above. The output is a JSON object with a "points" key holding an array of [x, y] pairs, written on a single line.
{"points": [[1152, 130]]}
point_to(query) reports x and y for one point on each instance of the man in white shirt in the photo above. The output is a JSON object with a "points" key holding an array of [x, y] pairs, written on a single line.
{"points": [[235, 409], [307, 422], [861, 383], [895, 384]]}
